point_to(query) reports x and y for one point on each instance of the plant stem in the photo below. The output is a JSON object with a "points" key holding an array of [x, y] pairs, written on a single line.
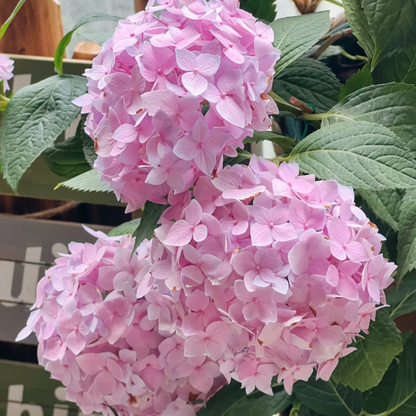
{"points": [[284, 105], [354, 57], [336, 2], [321, 116]]}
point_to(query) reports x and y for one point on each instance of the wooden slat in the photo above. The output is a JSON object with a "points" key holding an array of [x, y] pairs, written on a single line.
{"points": [[36, 30]]}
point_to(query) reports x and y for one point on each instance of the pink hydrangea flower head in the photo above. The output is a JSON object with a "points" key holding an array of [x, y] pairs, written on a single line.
{"points": [[258, 272], [176, 87]]}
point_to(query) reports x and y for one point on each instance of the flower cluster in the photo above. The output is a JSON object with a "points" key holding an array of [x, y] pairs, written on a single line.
{"points": [[6, 71], [177, 87], [262, 273]]}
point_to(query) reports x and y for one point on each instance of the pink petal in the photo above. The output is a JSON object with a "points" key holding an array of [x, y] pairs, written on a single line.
{"points": [[126, 133], [356, 251], [193, 213], [261, 235], [179, 235], [332, 276], [91, 363], [195, 83], [347, 288], [231, 111], [338, 251], [208, 64], [201, 381], [186, 60], [339, 232], [284, 232], [105, 383], [75, 342], [200, 233], [206, 160]]}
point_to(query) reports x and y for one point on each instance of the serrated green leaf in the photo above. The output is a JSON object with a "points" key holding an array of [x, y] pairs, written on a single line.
{"points": [[400, 67], [127, 228], [262, 9], [66, 159], [385, 205], [149, 221], [358, 21], [365, 367], [6, 24], [406, 247], [310, 81], [88, 18], [402, 299], [242, 156], [232, 400], [286, 143], [360, 79], [327, 398], [35, 116], [87, 182], [391, 24], [391, 105], [87, 144], [293, 36], [359, 154]]}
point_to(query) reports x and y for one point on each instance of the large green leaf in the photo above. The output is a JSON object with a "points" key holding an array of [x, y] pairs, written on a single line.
{"points": [[242, 156], [66, 159], [401, 67], [402, 299], [35, 116], [385, 205], [359, 154], [360, 79], [88, 18], [149, 221], [262, 9], [87, 144], [286, 143], [329, 399], [293, 36], [359, 24], [87, 182], [310, 81], [127, 228], [232, 400], [406, 247], [392, 25], [6, 24], [364, 368], [391, 105], [398, 386]]}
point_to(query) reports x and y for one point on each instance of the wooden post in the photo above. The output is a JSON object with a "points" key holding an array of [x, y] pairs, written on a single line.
{"points": [[36, 30], [139, 5]]}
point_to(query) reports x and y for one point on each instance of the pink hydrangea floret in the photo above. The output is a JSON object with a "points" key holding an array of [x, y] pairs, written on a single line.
{"points": [[258, 273], [178, 86], [6, 70]]}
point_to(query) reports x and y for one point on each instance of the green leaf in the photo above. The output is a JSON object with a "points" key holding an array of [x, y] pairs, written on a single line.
{"points": [[391, 105], [87, 144], [399, 383], [327, 398], [359, 24], [88, 18], [35, 116], [242, 156], [232, 400], [87, 182], [401, 67], [149, 221], [66, 159], [402, 299], [293, 36], [359, 154], [385, 205], [6, 24], [127, 228], [262, 9], [364, 368], [360, 79], [310, 81], [406, 247], [391, 24], [286, 143]]}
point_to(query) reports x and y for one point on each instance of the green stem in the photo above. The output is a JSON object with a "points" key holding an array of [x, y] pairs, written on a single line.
{"points": [[336, 2], [321, 116], [284, 105], [4, 99], [354, 57]]}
